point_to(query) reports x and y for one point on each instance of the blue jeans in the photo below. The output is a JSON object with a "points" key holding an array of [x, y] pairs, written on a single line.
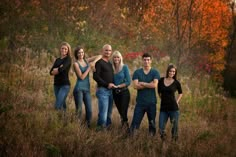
{"points": [[61, 92], [139, 112], [174, 119], [105, 103], [81, 96]]}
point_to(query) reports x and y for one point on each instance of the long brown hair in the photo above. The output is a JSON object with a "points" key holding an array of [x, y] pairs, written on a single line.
{"points": [[170, 66], [76, 51]]}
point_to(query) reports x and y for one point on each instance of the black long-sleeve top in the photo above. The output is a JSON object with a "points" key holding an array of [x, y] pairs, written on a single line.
{"points": [[103, 74], [167, 93], [63, 66]]}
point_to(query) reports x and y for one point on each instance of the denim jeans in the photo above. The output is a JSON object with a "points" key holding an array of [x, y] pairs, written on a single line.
{"points": [[174, 119], [81, 96], [139, 112], [105, 103], [61, 92]]}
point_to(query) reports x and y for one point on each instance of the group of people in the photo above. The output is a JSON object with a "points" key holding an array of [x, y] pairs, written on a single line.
{"points": [[113, 79]]}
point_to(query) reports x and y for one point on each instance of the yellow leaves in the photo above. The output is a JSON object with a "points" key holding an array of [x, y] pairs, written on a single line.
{"points": [[124, 12], [122, 16], [45, 28], [82, 8], [81, 25]]}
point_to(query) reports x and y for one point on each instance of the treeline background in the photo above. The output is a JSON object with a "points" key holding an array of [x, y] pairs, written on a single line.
{"points": [[197, 36]]}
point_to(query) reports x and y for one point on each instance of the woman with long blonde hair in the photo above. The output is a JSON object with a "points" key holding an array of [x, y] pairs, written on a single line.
{"points": [[60, 71], [121, 94]]}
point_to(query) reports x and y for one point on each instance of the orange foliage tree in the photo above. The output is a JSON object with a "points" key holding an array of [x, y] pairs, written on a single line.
{"points": [[189, 31], [192, 31]]}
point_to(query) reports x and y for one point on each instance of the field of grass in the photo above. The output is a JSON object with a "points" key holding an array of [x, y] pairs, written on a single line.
{"points": [[30, 126]]}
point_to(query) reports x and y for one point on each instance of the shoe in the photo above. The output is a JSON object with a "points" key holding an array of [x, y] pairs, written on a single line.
{"points": [[163, 136], [174, 138], [125, 125]]}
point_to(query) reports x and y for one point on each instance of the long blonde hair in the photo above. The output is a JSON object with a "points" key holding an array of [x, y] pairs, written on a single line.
{"points": [[117, 53], [68, 46]]}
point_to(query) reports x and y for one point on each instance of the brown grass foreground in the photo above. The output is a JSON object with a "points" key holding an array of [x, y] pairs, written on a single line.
{"points": [[30, 126]]}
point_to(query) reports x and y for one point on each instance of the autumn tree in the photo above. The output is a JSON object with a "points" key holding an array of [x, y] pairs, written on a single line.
{"points": [[230, 68], [193, 33]]}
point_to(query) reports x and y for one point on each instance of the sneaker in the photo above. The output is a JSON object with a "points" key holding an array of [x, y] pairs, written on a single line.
{"points": [[163, 136]]}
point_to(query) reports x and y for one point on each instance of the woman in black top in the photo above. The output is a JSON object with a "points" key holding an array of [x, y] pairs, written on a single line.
{"points": [[60, 71], [167, 87]]}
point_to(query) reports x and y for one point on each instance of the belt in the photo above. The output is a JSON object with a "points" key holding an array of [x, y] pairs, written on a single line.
{"points": [[119, 90]]}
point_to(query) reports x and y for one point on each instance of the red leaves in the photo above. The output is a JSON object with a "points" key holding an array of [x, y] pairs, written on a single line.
{"points": [[132, 55]]}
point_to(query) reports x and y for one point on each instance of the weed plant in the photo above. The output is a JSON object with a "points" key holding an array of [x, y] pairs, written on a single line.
{"points": [[31, 127]]}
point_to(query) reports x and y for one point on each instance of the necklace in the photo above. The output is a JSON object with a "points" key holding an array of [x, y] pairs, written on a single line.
{"points": [[168, 81]]}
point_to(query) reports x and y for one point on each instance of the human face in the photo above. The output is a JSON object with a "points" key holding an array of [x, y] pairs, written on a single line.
{"points": [[171, 72], [147, 62], [64, 51], [116, 60], [80, 54], [107, 51]]}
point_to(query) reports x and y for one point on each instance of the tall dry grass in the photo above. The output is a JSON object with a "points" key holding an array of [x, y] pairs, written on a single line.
{"points": [[30, 126]]}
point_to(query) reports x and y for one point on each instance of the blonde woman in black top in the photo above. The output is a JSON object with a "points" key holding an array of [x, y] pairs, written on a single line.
{"points": [[60, 71], [167, 87]]}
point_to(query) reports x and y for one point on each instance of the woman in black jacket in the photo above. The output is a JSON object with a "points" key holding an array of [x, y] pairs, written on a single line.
{"points": [[60, 71]]}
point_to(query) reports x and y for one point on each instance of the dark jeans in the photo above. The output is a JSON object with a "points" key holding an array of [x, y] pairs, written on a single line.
{"points": [[122, 100], [174, 119], [139, 111]]}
